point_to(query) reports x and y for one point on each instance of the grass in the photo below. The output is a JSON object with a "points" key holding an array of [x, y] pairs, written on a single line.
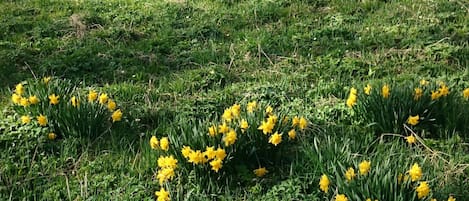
{"points": [[176, 61]]}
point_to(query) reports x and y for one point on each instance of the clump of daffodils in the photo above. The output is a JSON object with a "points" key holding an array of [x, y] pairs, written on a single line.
{"points": [[253, 135], [243, 126], [62, 108], [410, 185], [421, 106]]}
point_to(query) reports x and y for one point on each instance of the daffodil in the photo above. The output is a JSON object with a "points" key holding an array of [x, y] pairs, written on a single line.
{"points": [[352, 99], [451, 198], [422, 190], [33, 100], [103, 98], [353, 91], [411, 139], [212, 131], [74, 101], [186, 151], [367, 89], [227, 115], [42, 120], [275, 139], [436, 95], [266, 127], [444, 90], [165, 174], [53, 99], [92, 95], [111, 105], [210, 153], [196, 157], [154, 142], [220, 153], [350, 174], [413, 120], [260, 172], [324, 183], [465, 93], [25, 119], [230, 138], [364, 167], [236, 110], [46, 80], [15, 98], [385, 91], [223, 128], [423, 82], [272, 119], [415, 172], [295, 121], [24, 102], [51, 136], [216, 164], [164, 143], [167, 162], [341, 197], [303, 123], [162, 195], [19, 89], [116, 115], [269, 110], [418, 92], [243, 125], [292, 134], [251, 106]]}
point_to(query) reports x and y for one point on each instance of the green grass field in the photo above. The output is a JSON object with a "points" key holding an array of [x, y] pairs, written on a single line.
{"points": [[174, 66]]}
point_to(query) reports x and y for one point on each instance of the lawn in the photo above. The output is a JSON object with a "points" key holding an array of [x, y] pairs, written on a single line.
{"points": [[234, 100]]}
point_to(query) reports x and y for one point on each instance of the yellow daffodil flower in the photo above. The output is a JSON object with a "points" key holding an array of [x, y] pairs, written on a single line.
{"points": [[422, 190], [216, 164], [33, 100], [164, 143], [116, 115], [51, 136], [364, 167], [25, 119], [230, 138], [324, 183], [418, 92], [385, 91], [42, 120], [413, 120], [350, 174], [53, 99], [341, 197], [275, 139], [162, 195], [415, 172], [154, 143], [261, 171], [367, 89]]}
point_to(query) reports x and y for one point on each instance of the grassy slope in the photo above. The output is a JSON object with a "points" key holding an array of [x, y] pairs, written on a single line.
{"points": [[193, 58]]}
